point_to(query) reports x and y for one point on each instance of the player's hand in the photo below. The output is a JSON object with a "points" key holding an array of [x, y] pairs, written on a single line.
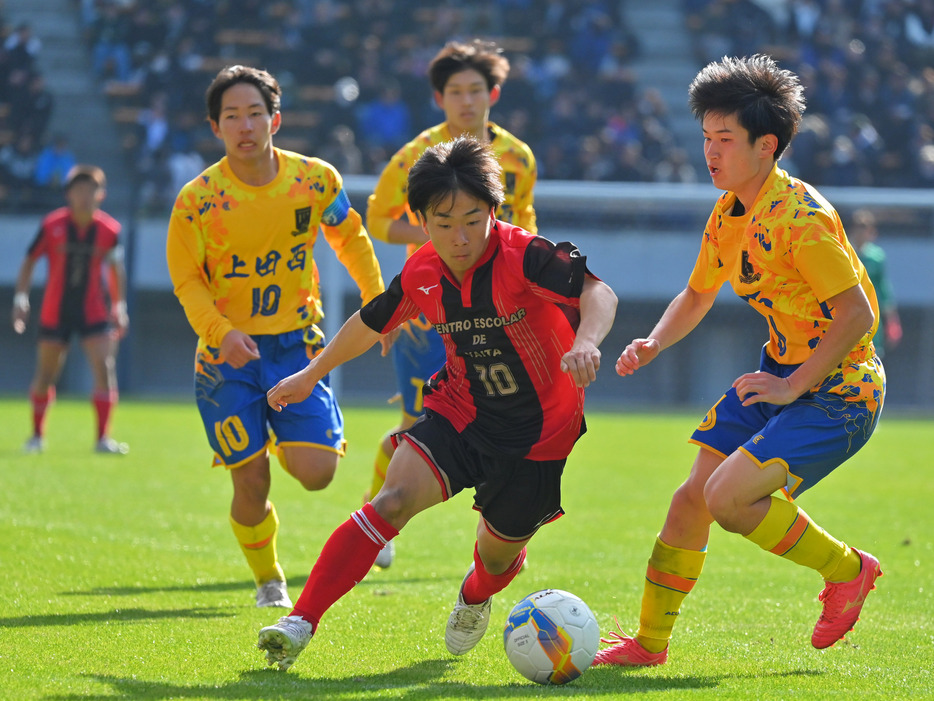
{"points": [[385, 343], [238, 348], [755, 387], [582, 363], [640, 352], [20, 312], [294, 388], [121, 319], [893, 332]]}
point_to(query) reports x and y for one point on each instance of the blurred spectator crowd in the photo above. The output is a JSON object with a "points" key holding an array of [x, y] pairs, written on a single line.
{"points": [[355, 86], [868, 70], [33, 162]]}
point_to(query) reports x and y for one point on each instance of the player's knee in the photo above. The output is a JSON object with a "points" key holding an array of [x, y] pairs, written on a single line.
{"points": [[253, 486], [688, 498], [394, 505], [722, 505], [314, 469], [317, 476]]}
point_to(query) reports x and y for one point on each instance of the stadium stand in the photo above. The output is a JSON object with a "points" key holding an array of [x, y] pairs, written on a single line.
{"points": [[593, 87]]}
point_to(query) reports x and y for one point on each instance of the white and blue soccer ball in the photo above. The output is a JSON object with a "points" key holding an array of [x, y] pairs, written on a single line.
{"points": [[551, 637]]}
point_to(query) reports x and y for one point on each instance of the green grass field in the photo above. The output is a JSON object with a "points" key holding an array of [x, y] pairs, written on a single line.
{"points": [[121, 578]]}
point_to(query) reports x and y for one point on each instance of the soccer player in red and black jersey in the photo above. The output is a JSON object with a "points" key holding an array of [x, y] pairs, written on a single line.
{"points": [[81, 243], [521, 319]]}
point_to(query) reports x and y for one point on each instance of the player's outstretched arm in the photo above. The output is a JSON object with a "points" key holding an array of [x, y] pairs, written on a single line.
{"points": [[353, 339], [682, 315], [598, 311]]}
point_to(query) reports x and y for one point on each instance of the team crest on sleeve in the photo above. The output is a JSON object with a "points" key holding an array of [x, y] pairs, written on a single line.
{"points": [[302, 220]]}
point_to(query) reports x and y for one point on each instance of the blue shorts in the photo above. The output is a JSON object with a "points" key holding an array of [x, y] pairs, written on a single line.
{"points": [[809, 437], [417, 354], [233, 405]]}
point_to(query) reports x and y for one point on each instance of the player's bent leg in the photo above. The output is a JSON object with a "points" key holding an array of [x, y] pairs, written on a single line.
{"points": [[384, 454], [738, 493], [313, 467], [496, 563], [255, 525], [411, 487], [348, 554], [673, 569]]}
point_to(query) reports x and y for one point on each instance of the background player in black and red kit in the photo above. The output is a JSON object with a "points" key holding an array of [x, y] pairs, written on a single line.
{"points": [[81, 242], [521, 319]]}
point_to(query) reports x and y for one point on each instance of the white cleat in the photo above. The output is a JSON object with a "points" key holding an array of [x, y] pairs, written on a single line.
{"points": [[386, 555], [108, 446], [34, 446], [284, 641], [467, 622], [273, 593]]}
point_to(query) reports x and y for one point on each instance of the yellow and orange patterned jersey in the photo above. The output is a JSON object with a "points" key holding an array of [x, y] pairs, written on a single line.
{"points": [[241, 256], [786, 256], [389, 201]]}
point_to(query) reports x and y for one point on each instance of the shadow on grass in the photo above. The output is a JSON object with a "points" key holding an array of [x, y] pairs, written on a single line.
{"points": [[124, 615], [416, 682], [296, 582]]}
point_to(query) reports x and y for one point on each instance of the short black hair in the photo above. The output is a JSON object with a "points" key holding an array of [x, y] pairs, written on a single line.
{"points": [[229, 76], [482, 56], [460, 165], [765, 98], [85, 173]]}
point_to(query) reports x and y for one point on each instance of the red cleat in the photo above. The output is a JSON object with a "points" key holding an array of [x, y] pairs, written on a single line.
{"points": [[628, 652], [843, 601]]}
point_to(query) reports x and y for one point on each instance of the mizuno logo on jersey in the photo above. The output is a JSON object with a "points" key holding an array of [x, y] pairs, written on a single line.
{"points": [[426, 290]]}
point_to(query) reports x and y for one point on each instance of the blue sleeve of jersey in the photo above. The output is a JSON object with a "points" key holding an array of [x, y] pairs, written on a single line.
{"points": [[337, 210]]}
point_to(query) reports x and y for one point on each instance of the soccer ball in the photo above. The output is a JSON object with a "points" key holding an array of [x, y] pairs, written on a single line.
{"points": [[551, 637]]}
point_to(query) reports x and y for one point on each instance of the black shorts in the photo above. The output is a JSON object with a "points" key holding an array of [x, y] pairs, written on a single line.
{"points": [[514, 495], [72, 322]]}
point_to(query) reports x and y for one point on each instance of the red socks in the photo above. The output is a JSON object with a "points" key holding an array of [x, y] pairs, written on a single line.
{"points": [[104, 402], [345, 559], [481, 585], [40, 405]]}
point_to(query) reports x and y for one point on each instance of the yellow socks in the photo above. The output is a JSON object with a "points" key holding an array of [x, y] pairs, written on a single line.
{"points": [[670, 576], [788, 532], [258, 543], [380, 465]]}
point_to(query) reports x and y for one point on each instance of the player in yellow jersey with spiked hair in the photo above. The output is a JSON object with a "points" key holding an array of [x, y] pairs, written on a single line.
{"points": [[818, 392], [466, 79], [239, 252]]}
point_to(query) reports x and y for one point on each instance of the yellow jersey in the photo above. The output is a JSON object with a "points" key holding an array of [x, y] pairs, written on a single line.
{"points": [[241, 256], [389, 200], [786, 257]]}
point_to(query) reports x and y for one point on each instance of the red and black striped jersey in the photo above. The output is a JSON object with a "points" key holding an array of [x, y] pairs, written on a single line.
{"points": [[76, 258], [505, 329]]}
